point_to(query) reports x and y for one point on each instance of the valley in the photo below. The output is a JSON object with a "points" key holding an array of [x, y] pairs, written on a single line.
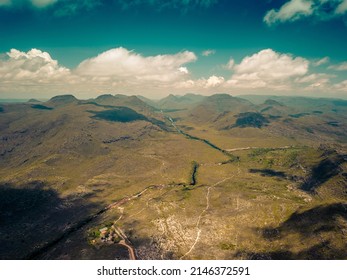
{"points": [[185, 177]]}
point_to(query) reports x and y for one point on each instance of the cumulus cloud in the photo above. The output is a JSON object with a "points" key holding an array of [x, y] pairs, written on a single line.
{"points": [[268, 68], [121, 70], [33, 72], [201, 84], [269, 64], [297, 9], [290, 11], [339, 67], [183, 70], [214, 81], [34, 65], [121, 63], [208, 52], [115, 69]]}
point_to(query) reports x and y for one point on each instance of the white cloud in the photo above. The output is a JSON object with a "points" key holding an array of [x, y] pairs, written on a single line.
{"points": [[321, 78], [120, 70], [268, 69], [33, 65], [315, 81], [270, 65], [33, 72], [339, 67], [321, 61], [297, 9], [208, 52], [183, 70], [112, 71], [214, 81], [290, 11], [201, 84], [246, 81], [341, 8], [121, 63]]}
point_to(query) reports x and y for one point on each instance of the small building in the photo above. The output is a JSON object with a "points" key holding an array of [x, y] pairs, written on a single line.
{"points": [[103, 230]]}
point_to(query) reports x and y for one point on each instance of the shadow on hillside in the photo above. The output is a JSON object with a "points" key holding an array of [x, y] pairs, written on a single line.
{"points": [[118, 114], [310, 225], [33, 218], [269, 173], [322, 172], [321, 251], [126, 115]]}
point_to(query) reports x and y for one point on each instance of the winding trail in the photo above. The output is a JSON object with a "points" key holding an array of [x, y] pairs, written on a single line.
{"points": [[131, 249], [202, 214], [253, 148], [126, 243]]}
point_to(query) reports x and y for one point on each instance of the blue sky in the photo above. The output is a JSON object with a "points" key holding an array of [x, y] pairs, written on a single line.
{"points": [[158, 47]]}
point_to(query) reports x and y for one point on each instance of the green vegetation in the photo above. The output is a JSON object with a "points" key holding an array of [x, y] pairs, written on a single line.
{"points": [[259, 152], [193, 173], [94, 233]]}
